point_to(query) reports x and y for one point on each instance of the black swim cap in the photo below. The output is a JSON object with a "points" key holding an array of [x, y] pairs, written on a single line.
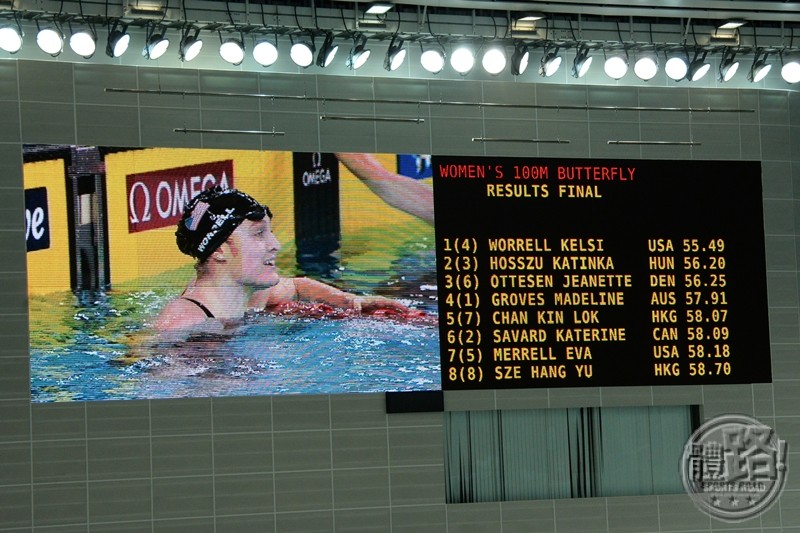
{"points": [[210, 218]]}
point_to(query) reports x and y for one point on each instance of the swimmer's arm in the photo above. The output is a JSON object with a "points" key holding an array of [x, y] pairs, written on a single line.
{"points": [[310, 290], [404, 193]]}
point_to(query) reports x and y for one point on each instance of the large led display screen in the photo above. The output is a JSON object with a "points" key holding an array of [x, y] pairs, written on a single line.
{"points": [[308, 281], [558, 273], [167, 272]]}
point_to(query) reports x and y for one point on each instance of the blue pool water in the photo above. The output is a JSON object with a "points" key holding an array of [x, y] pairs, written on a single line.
{"points": [[96, 346]]}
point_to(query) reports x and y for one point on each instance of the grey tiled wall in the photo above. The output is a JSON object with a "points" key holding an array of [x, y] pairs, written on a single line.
{"points": [[325, 463]]}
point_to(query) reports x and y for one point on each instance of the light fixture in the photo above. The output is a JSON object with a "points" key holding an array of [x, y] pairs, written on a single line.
{"points": [[327, 51], [616, 65], [191, 44], [530, 16], [148, 8], [646, 65], [359, 53], [494, 60], [379, 8], [11, 38], [525, 23], [790, 71], [519, 59], [760, 68], [395, 55], [462, 59], [677, 66], [84, 42], [728, 65], [118, 40], [265, 52], [582, 62], [371, 23], [156, 43], [50, 40], [551, 61], [432, 59], [699, 67], [302, 51], [731, 25], [232, 50]]}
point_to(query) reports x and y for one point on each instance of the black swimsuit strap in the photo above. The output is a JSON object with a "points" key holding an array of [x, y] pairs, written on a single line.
{"points": [[208, 313]]}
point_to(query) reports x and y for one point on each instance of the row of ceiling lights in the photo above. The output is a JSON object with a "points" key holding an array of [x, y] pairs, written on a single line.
{"points": [[690, 64], [679, 64]]}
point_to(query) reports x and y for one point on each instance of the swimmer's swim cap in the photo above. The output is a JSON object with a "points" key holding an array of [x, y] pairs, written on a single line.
{"points": [[210, 218]]}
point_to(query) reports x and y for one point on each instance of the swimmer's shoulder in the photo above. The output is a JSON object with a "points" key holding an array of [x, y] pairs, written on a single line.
{"points": [[181, 314]]}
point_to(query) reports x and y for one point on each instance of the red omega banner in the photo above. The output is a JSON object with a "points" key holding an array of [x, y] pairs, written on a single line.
{"points": [[156, 199]]}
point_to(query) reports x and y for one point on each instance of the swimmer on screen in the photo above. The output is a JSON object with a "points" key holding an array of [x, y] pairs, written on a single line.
{"points": [[230, 235]]}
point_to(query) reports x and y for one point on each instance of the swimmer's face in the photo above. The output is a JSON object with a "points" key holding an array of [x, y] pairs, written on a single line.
{"points": [[253, 251]]}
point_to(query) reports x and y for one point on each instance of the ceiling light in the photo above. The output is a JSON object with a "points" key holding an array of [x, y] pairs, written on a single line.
{"points": [[265, 52], [395, 55], [462, 60], [760, 68], [698, 67], [731, 25], [494, 60], [724, 38], [372, 24], [790, 71], [530, 16], [84, 42], [302, 52], [147, 8], [10, 39], [190, 45], [677, 66], [519, 59], [232, 51], [50, 40], [118, 40], [550, 63], [156, 43], [432, 59], [359, 53], [646, 66], [728, 65], [379, 8], [327, 51], [582, 62], [616, 65]]}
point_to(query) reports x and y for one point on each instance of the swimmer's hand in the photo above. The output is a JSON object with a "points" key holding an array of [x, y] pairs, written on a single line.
{"points": [[378, 305]]}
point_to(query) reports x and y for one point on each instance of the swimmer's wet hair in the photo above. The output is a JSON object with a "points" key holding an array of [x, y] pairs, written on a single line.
{"points": [[210, 218]]}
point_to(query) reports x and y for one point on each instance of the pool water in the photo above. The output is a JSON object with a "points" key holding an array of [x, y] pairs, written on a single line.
{"points": [[96, 346]]}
